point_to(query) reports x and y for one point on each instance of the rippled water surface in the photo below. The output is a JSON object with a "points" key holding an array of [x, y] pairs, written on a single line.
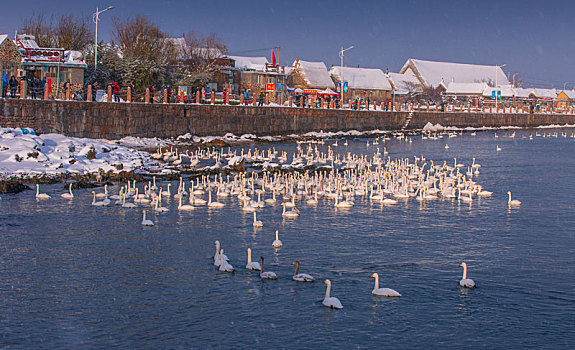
{"points": [[77, 276]]}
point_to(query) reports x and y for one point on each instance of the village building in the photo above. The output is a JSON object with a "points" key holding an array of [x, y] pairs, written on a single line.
{"points": [[10, 58], [564, 99], [434, 74], [57, 65], [311, 76], [256, 73], [364, 83]]}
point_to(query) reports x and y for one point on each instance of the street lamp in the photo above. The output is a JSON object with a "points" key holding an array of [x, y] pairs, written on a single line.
{"points": [[341, 56], [96, 18], [496, 66]]}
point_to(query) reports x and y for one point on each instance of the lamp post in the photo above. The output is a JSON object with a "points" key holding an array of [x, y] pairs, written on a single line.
{"points": [[342, 80], [96, 18], [496, 88]]}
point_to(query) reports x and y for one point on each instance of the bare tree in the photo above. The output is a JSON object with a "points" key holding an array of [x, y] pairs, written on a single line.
{"points": [[203, 52], [42, 28], [140, 38], [73, 33]]}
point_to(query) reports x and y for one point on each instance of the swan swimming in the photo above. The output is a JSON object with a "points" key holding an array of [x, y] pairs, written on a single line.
{"points": [[257, 223], [277, 243], [266, 274], [466, 282], [328, 301], [217, 255], [252, 265], [301, 277], [514, 202], [224, 265], [69, 194], [386, 292], [146, 222], [41, 195], [100, 203]]}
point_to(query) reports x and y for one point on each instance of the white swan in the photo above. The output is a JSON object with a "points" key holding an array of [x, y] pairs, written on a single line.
{"points": [[214, 204], [466, 282], [217, 255], [252, 265], [277, 243], [69, 194], [266, 274], [98, 204], [290, 213], [498, 148], [127, 205], [301, 277], [145, 221], [41, 195], [184, 206], [331, 302], [514, 202], [386, 292], [158, 208], [103, 195], [257, 223], [224, 265]]}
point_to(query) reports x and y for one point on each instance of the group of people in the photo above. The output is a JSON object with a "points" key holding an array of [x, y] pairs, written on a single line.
{"points": [[9, 84]]}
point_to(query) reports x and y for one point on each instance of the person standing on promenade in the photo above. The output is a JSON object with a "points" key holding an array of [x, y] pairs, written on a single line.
{"points": [[246, 96], [42, 87], [152, 89], [116, 91], [225, 93], [13, 83], [261, 98], [4, 85]]}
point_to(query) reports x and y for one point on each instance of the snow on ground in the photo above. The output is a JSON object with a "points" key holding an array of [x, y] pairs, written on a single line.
{"points": [[54, 154]]}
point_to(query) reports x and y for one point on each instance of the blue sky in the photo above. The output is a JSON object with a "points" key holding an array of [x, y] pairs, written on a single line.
{"points": [[534, 38]]}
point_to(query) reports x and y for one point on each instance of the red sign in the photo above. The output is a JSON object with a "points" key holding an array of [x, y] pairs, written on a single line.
{"points": [[271, 87]]}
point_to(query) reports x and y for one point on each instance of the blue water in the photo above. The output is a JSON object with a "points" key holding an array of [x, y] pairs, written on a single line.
{"points": [[77, 276]]}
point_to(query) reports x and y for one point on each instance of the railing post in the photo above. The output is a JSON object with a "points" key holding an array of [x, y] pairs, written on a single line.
{"points": [[197, 97], [129, 95], [213, 96], [290, 101], [242, 99], [88, 93], [147, 98], [47, 94]]}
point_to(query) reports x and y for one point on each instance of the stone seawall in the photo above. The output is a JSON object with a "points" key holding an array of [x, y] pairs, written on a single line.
{"points": [[116, 120]]}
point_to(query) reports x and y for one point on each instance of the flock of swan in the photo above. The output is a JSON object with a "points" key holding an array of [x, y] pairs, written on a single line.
{"points": [[221, 261], [341, 179]]}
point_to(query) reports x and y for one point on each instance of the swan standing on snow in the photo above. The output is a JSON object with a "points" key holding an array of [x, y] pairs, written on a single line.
{"points": [[41, 195], [266, 274], [386, 292], [69, 194], [224, 265], [466, 282], [277, 243], [301, 277], [145, 221], [331, 302], [252, 265], [514, 202]]}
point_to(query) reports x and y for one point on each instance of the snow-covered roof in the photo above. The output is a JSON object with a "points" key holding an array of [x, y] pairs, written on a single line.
{"points": [[522, 93], [315, 73], [2, 38], [545, 93], [362, 78], [435, 73], [466, 88], [570, 93], [250, 63], [25, 41], [404, 83]]}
